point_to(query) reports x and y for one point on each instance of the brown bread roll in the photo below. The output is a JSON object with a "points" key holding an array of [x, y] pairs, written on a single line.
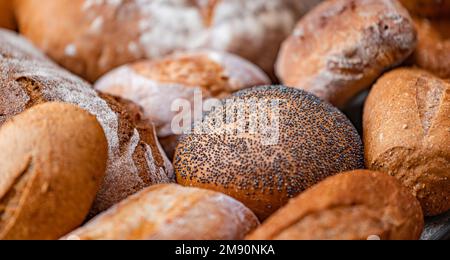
{"points": [[156, 85], [263, 168], [429, 8], [135, 158], [92, 37], [171, 212], [433, 48], [342, 46], [356, 205], [7, 19], [407, 133], [50, 172]]}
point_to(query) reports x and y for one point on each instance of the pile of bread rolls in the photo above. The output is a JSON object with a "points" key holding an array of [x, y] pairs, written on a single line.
{"points": [[89, 150]]}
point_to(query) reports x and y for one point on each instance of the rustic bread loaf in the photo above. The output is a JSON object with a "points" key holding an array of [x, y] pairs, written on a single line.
{"points": [[429, 8], [407, 134], [355, 205], [304, 141], [433, 48], [156, 85], [171, 212], [51, 170], [92, 37], [135, 160], [7, 19], [342, 46]]}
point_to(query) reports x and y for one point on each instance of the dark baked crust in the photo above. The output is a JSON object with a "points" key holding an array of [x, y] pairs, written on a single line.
{"points": [[315, 141], [406, 134], [349, 206], [7, 19], [342, 46], [428, 8]]}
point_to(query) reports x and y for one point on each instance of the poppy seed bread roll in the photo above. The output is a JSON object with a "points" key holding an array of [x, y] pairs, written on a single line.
{"points": [[354, 205], [407, 134], [156, 85], [264, 167], [135, 159], [171, 212], [342, 46], [53, 163], [92, 37]]}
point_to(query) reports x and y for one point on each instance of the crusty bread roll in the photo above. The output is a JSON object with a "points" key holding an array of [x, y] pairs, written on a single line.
{"points": [[342, 46], [51, 170], [433, 48], [7, 19], [407, 134], [356, 205], [156, 85], [429, 8], [92, 37], [263, 168], [171, 212], [135, 158]]}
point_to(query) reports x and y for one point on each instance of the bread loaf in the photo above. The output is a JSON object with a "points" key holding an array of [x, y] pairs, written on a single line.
{"points": [[156, 85], [171, 212], [433, 48], [357, 205], [407, 133], [7, 19], [50, 172], [135, 160], [342, 46], [92, 37], [304, 141], [429, 8]]}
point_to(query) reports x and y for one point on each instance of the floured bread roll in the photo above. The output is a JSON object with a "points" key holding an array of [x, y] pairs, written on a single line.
{"points": [[135, 158], [157, 85], [92, 37]]}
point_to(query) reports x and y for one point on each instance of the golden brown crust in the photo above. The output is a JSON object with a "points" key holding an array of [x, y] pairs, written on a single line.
{"points": [[92, 37], [406, 133], [28, 78], [7, 19], [315, 141], [342, 46], [349, 206], [428, 8], [50, 172], [433, 49], [171, 212]]}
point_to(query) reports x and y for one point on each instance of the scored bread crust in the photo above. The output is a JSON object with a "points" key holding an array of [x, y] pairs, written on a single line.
{"points": [[135, 158], [341, 47], [407, 133], [433, 48], [355, 205], [50, 172], [92, 37], [428, 8], [156, 85], [171, 212], [315, 141]]}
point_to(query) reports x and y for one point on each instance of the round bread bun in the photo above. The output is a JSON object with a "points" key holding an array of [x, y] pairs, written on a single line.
{"points": [[433, 49], [156, 85], [428, 8], [263, 166], [407, 134], [358, 205], [51, 171], [341, 47], [171, 212], [7, 19], [92, 37], [135, 157]]}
